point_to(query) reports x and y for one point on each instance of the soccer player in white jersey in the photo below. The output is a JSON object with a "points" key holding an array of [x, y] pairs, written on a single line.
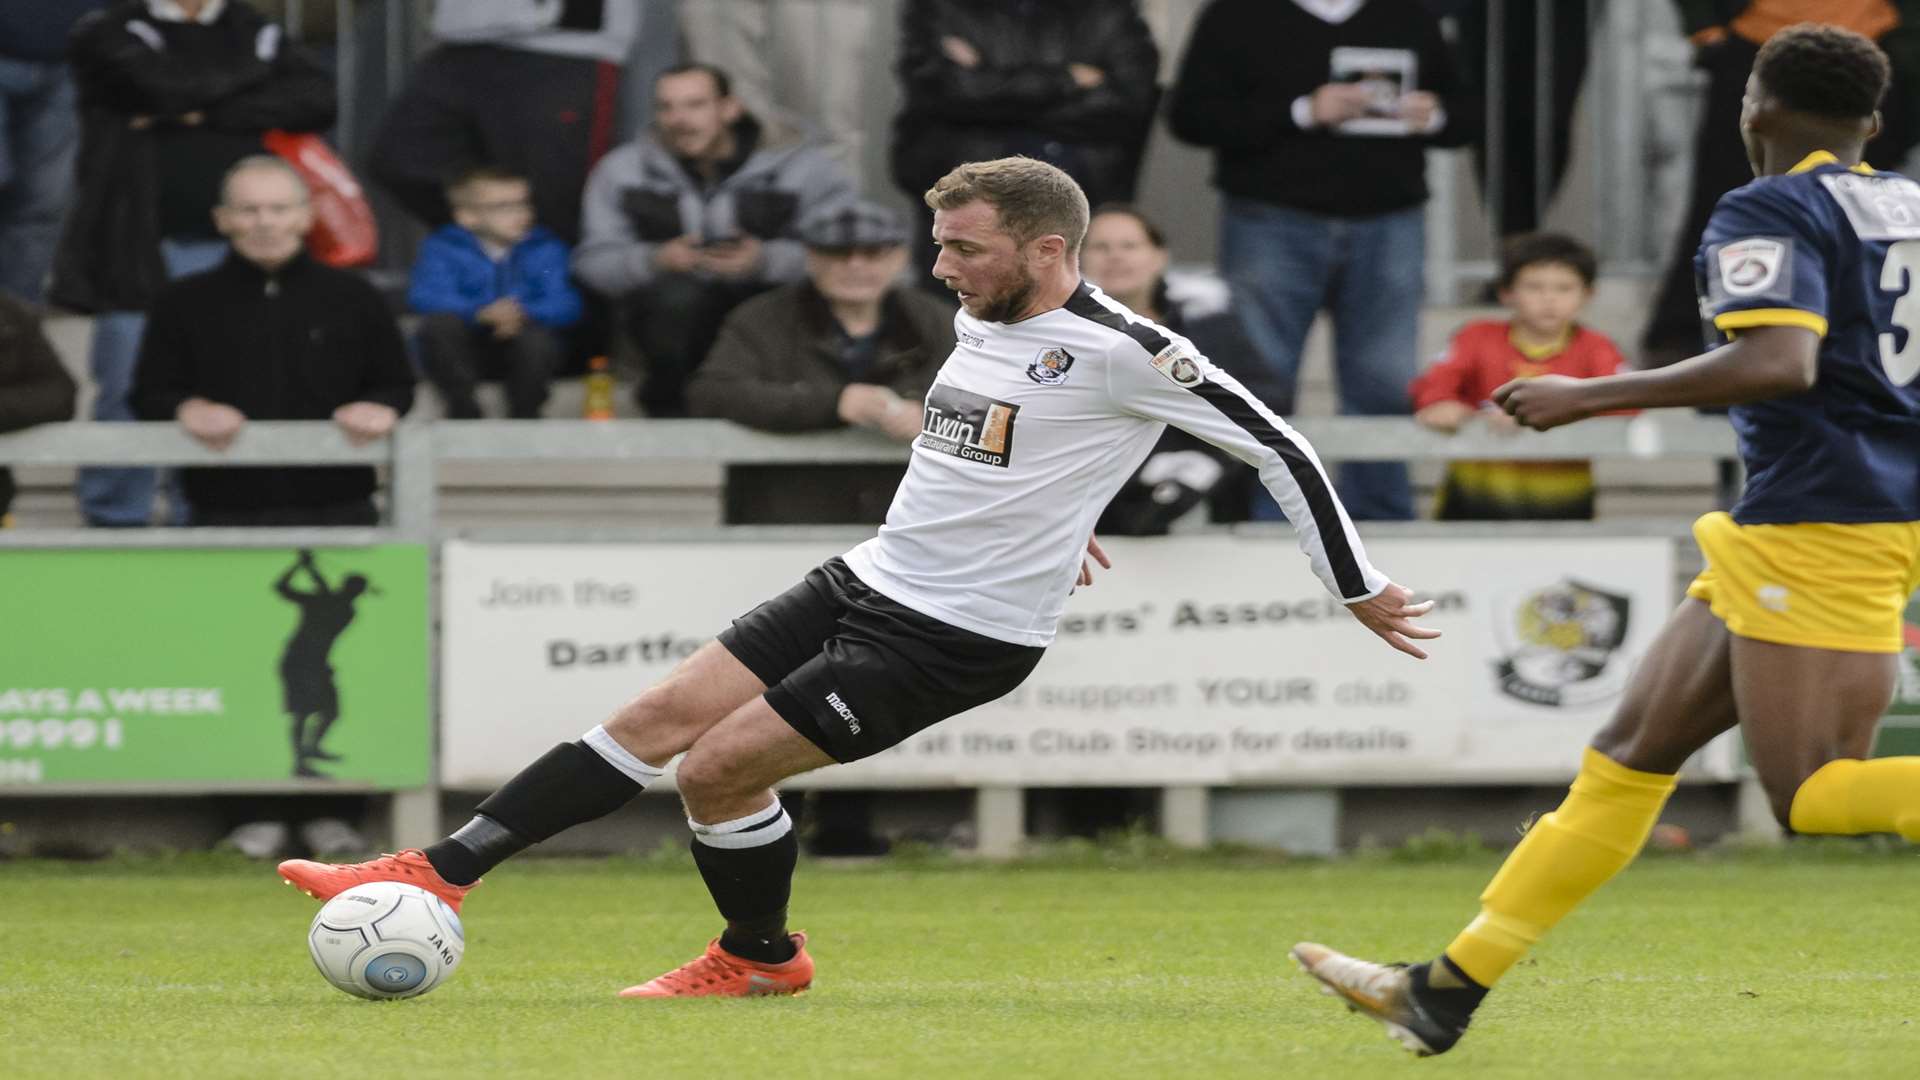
{"points": [[1048, 403]]}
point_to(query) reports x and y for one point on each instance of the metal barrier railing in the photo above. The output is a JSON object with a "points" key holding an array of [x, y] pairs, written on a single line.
{"points": [[413, 452], [1666, 434], [411, 456]]}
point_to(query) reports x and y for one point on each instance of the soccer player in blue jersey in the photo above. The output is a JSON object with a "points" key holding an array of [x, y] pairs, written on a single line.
{"points": [[1810, 277]]}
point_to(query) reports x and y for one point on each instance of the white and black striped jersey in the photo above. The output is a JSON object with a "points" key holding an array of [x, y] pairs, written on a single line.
{"points": [[1029, 430]]}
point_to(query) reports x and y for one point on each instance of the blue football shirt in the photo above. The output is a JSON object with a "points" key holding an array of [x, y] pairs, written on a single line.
{"points": [[1835, 250]]}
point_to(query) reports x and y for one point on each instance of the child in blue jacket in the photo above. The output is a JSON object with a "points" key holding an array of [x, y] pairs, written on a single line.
{"points": [[494, 291]]}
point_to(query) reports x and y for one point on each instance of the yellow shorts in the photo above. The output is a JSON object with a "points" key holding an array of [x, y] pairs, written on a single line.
{"points": [[1822, 586]]}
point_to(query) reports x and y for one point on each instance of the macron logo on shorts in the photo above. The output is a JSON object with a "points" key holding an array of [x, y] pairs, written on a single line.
{"points": [[834, 701]]}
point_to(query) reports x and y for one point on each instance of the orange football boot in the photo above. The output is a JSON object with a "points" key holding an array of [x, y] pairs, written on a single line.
{"points": [[324, 881], [719, 973]]}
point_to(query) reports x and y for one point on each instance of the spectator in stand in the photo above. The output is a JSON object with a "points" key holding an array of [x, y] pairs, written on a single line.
{"points": [[269, 334], [1071, 82], [1545, 279], [1726, 36], [1515, 29], [172, 94], [527, 85], [39, 137], [849, 346], [684, 223], [768, 46], [494, 293], [1126, 256], [34, 387], [1319, 113]]}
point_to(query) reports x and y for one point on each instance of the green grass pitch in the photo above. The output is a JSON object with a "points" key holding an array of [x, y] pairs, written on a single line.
{"points": [[1091, 963]]}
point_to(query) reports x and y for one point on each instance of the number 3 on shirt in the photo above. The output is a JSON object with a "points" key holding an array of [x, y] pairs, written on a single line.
{"points": [[1900, 273]]}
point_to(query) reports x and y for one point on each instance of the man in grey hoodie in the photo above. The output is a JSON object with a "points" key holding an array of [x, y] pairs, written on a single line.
{"points": [[695, 216]]}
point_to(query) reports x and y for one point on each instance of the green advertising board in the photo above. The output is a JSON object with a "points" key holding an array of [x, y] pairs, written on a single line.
{"points": [[235, 665]]}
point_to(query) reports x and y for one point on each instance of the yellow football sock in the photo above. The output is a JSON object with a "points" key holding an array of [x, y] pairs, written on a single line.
{"points": [[1565, 856], [1848, 797]]}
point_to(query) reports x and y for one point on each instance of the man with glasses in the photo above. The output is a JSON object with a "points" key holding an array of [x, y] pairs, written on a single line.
{"points": [[494, 291]]}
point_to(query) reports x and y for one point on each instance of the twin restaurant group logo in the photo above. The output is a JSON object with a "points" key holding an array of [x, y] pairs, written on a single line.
{"points": [[968, 426]]}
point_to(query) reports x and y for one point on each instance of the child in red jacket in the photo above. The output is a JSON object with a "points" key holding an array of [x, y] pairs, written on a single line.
{"points": [[1545, 279]]}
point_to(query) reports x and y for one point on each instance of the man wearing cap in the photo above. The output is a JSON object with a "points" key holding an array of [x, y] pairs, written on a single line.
{"points": [[846, 346]]}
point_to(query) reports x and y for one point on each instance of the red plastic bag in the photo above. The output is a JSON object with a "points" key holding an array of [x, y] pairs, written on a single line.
{"points": [[344, 231]]}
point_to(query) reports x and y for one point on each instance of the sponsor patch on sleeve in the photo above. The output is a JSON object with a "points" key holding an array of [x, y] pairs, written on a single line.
{"points": [[1757, 266], [1179, 365]]}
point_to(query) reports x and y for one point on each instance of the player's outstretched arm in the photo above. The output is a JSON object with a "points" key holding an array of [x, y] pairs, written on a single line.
{"points": [[1390, 615], [1763, 362], [1099, 555]]}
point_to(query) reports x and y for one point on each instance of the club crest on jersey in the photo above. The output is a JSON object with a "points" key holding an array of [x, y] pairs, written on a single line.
{"points": [[968, 426], [1178, 365], [1051, 366], [1750, 267]]}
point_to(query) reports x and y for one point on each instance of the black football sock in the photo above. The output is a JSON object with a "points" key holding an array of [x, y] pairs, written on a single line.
{"points": [[748, 867], [1448, 1002], [762, 940], [572, 783], [473, 849]]}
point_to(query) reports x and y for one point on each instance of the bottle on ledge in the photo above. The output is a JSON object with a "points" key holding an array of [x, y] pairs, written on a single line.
{"points": [[599, 390]]}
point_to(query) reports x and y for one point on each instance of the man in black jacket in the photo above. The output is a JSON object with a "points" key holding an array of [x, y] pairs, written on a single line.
{"points": [[1319, 113], [270, 334], [1071, 82], [34, 387], [172, 93]]}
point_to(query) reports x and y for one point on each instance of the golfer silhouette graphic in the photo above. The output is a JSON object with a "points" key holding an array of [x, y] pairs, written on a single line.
{"points": [[312, 700]]}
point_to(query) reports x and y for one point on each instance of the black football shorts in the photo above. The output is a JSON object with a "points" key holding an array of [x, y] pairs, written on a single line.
{"points": [[857, 673]]}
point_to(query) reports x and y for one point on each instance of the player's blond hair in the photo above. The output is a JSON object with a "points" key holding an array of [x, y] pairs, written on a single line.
{"points": [[1033, 198]]}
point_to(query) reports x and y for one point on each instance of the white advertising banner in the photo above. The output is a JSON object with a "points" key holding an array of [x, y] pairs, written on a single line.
{"points": [[1214, 660]]}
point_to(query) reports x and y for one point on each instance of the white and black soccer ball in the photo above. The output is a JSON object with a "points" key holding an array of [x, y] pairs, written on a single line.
{"points": [[386, 940]]}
